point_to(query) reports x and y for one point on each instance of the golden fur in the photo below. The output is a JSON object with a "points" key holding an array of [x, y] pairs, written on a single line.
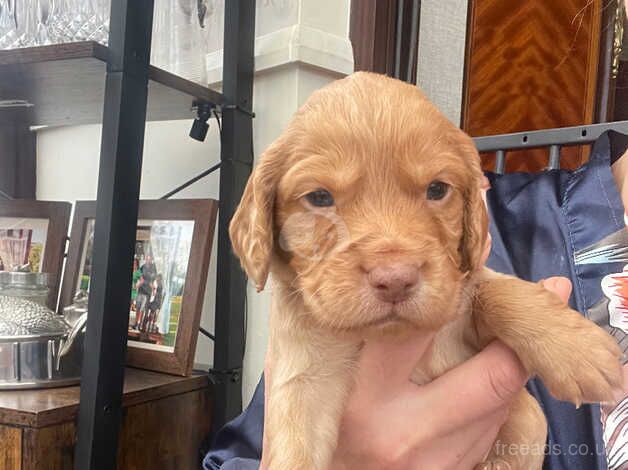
{"points": [[376, 144]]}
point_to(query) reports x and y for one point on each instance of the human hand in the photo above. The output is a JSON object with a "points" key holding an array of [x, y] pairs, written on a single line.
{"points": [[485, 186], [450, 423]]}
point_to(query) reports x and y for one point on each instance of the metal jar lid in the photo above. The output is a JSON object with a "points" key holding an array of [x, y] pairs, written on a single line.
{"points": [[23, 319], [24, 279]]}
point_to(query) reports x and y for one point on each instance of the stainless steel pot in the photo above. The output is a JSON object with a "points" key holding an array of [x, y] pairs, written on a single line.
{"points": [[38, 348]]}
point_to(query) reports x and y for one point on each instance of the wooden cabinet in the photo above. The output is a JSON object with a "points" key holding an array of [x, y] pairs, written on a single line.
{"points": [[165, 419], [532, 65]]}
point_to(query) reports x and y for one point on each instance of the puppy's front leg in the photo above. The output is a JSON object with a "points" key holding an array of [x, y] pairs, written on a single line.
{"points": [[577, 361], [310, 377]]}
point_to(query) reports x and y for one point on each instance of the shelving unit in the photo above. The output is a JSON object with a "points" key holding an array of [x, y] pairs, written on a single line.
{"points": [[64, 84], [82, 83]]}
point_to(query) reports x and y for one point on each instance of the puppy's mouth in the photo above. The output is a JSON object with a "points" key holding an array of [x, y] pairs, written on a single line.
{"points": [[387, 314], [386, 320]]}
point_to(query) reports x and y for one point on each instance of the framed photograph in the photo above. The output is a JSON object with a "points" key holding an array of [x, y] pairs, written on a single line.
{"points": [[33, 235], [169, 273]]}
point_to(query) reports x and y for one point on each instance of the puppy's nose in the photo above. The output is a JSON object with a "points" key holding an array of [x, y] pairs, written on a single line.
{"points": [[393, 282]]}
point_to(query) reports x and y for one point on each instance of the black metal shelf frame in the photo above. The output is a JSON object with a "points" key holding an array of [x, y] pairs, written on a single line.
{"points": [[554, 139], [124, 117]]}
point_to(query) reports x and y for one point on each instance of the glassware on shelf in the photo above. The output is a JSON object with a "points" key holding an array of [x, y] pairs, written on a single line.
{"points": [[100, 31], [178, 44], [186, 57], [8, 27], [26, 24], [59, 22], [43, 12], [80, 20], [160, 48], [180, 28]]}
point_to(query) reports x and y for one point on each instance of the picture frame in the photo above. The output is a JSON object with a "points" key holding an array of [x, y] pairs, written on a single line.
{"points": [[28, 221], [172, 253]]}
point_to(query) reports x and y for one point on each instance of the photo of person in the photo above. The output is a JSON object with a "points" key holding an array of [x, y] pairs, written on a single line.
{"points": [[162, 250]]}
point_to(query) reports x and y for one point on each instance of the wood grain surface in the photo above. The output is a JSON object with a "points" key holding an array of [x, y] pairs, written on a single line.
{"points": [[10, 448], [531, 65], [164, 433], [49, 448], [38, 408]]}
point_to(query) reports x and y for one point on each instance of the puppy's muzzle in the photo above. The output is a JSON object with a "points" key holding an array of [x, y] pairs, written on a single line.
{"points": [[393, 282]]}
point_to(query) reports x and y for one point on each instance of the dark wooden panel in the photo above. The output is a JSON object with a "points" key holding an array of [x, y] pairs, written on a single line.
{"points": [[10, 448], [163, 434], [612, 17], [49, 448], [18, 161], [621, 94], [372, 33], [38, 408], [375, 28], [531, 65]]}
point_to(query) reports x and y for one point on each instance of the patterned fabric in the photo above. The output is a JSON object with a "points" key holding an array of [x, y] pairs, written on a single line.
{"points": [[556, 223], [571, 223]]}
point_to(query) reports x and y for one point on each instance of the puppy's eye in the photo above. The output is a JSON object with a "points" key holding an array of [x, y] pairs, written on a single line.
{"points": [[437, 190], [320, 198]]}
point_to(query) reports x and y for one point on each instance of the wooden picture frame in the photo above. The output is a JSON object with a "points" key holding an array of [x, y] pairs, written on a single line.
{"points": [[175, 214], [57, 215]]}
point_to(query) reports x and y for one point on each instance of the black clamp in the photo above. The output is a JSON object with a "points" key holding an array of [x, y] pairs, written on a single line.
{"points": [[225, 376], [237, 107]]}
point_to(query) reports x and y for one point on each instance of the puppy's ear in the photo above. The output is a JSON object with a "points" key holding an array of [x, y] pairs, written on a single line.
{"points": [[251, 228], [474, 219]]}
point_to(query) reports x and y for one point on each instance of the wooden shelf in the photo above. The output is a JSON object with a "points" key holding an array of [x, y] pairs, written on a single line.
{"points": [[45, 407], [64, 84]]}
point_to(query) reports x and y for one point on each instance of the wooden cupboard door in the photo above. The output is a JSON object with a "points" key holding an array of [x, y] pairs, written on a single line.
{"points": [[165, 434], [531, 65], [10, 448], [49, 448]]}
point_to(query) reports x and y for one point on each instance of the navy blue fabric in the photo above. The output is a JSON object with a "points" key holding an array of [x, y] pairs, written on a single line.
{"points": [[238, 445], [538, 223]]}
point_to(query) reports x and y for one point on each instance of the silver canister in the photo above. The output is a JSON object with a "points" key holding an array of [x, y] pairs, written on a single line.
{"points": [[25, 285]]}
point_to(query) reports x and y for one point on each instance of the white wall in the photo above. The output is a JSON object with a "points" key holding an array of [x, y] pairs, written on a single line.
{"points": [[442, 40], [303, 45]]}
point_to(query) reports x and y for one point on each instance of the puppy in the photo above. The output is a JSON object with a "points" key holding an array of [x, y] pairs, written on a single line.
{"points": [[367, 211]]}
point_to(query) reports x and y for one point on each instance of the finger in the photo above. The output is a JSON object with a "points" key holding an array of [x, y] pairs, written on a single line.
{"points": [[487, 249], [480, 386], [485, 185], [561, 286]]}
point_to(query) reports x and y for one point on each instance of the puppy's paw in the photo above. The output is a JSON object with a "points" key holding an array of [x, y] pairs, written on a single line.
{"points": [[577, 360], [494, 465]]}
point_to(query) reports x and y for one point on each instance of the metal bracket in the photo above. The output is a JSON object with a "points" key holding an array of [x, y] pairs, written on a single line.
{"points": [[225, 376], [246, 111]]}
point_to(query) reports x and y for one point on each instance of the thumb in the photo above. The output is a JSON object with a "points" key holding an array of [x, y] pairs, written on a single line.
{"points": [[561, 286], [480, 386]]}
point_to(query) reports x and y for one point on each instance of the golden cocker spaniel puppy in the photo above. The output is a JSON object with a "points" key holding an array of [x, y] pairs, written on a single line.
{"points": [[367, 211]]}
